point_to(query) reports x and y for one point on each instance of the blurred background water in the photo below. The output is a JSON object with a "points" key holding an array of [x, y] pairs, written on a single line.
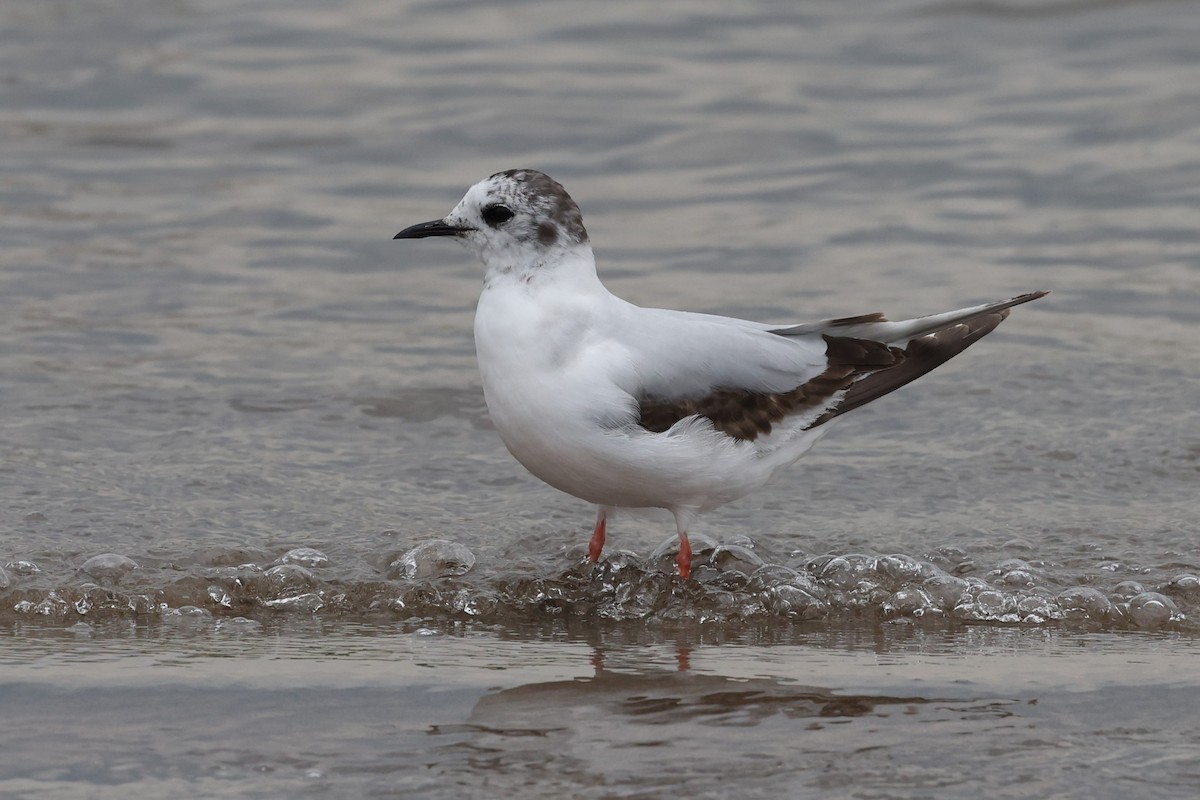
{"points": [[228, 398]]}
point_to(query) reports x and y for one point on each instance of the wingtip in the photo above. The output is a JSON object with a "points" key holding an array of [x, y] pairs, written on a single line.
{"points": [[1023, 298]]}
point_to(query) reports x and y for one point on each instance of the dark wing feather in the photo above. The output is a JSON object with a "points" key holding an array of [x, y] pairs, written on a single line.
{"points": [[923, 354], [745, 415], [825, 325]]}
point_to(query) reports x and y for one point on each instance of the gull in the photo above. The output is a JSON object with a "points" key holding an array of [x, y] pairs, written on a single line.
{"points": [[631, 407]]}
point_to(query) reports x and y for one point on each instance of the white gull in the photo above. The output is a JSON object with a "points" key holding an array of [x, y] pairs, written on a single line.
{"points": [[630, 407]]}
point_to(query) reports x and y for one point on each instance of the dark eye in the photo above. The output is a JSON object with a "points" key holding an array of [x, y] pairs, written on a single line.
{"points": [[496, 214]]}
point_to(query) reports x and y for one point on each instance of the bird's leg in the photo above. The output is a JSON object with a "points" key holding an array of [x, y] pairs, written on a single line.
{"points": [[684, 517], [684, 559], [596, 546]]}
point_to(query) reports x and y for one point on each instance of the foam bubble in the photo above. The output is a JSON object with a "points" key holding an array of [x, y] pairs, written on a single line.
{"points": [[304, 556], [437, 557], [1153, 610], [288, 580], [108, 566], [22, 567], [847, 572], [1084, 602]]}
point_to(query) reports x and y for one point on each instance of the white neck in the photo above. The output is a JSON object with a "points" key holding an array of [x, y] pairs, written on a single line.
{"points": [[573, 265]]}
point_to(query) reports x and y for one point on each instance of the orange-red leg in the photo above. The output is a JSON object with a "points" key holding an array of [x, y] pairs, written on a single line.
{"points": [[596, 546], [684, 559]]}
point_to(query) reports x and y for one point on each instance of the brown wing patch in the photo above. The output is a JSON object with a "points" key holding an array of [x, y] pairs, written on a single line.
{"points": [[924, 353], [746, 415], [861, 353]]}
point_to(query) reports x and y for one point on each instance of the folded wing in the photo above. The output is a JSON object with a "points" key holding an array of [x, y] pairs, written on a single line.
{"points": [[746, 378]]}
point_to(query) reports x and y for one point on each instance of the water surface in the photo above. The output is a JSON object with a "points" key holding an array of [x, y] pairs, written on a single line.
{"points": [[228, 395], [348, 710]]}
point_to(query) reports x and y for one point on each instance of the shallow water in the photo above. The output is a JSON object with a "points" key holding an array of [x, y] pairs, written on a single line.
{"points": [[318, 709], [227, 394]]}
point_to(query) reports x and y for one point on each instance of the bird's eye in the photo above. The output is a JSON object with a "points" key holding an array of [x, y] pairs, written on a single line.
{"points": [[496, 214]]}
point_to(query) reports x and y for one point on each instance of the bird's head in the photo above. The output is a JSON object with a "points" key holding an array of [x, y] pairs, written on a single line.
{"points": [[512, 220]]}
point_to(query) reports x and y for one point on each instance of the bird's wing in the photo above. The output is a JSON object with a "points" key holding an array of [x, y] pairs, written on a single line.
{"points": [[747, 377], [738, 374]]}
